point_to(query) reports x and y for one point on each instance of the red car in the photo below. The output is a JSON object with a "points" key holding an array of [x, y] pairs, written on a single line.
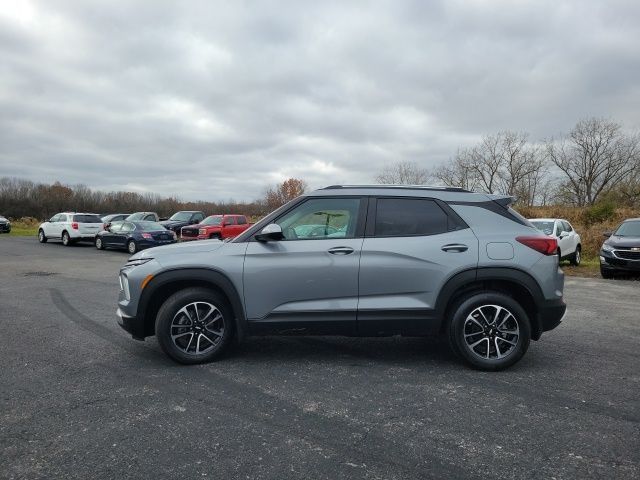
{"points": [[216, 226]]}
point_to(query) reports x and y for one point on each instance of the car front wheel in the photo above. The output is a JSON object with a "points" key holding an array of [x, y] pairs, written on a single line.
{"points": [[99, 244], [194, 325], [132, 247], [490, 331], [42, 238]]}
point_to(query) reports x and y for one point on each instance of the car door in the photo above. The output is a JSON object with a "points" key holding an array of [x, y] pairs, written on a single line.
{"points": [[120, 240], [58, 225], [412, 246], [564, 239], [108, 237], [307, 281], [230, 226], [49, 227], [573, 236]]}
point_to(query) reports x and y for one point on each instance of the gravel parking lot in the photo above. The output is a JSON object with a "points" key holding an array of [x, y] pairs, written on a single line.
{"points": [[81, 399]]}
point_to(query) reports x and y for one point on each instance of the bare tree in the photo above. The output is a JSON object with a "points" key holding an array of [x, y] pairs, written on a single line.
{"points": [[457, 172], [595, 156], [403, 173], [278, 195]]}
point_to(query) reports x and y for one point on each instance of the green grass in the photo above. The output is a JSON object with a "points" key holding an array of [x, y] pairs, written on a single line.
{"points": [[23, 231], [589, 267]]}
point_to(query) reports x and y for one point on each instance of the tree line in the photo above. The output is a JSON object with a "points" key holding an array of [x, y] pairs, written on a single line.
{"points": [[596, 161]]}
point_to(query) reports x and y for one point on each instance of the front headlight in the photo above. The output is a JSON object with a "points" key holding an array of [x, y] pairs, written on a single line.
{"points": [[124, 286], [202, 231], [607, 248]]}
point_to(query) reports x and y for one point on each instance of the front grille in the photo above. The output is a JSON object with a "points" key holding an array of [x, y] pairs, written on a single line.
{"points": [[628, 254], [189, 232]]}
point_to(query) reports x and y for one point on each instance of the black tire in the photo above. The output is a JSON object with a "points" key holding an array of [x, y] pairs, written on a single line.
{"points": [[66, 239], [42, 238], [99, 243], [170, 312], [461, 326], [559, 257], [608, 274], [576, 258], [132, 247]]}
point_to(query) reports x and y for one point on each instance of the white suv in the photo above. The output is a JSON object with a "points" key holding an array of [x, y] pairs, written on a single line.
{"points": [[569, 243], [70, 227]]}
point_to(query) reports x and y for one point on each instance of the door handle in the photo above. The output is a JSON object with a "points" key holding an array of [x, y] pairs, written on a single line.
{"points": [[455, 247], [340, 250]]}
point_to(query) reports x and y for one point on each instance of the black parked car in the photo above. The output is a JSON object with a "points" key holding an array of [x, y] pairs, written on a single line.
{"points": [[620, 253], [182, 219], [5, 224], [134, 236]]}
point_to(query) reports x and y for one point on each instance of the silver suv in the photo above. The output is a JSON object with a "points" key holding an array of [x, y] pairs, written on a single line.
{"points": [[359, 261]]}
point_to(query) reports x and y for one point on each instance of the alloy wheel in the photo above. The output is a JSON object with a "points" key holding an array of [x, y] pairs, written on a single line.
{"points": [[197, 328], [491, 332]]}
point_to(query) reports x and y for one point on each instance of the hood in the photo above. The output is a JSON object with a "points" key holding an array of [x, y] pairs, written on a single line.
{"points": [[624, 242], [3, 219], [178, 249], [172, 223]]}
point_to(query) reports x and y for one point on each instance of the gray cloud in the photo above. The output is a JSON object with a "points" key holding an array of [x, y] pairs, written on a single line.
{"points": [[216, 100]]}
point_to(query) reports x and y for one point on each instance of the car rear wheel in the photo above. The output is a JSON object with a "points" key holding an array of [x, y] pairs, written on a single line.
{"points": [[66, 239], [490, 331], [99, 244], [194, 325], [42, 238], [132, 247], [577, 256]]}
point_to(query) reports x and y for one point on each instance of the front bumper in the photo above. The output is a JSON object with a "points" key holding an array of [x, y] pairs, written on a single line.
{"points": [[611, 263], [5, 227], [132, 325]]}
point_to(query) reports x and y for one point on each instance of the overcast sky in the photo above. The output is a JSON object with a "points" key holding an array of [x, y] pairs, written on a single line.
{"points": [[216, 100]]}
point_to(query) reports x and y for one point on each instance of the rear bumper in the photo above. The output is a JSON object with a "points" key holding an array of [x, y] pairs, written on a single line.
{"points": [[551, 314], [132, 325]]}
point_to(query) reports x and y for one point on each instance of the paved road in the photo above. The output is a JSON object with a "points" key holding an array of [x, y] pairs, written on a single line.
{"points": [[80, 399]]}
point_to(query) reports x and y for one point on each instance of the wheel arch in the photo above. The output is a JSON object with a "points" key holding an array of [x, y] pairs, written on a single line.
{"points": [[513, 282], [166, 283]]}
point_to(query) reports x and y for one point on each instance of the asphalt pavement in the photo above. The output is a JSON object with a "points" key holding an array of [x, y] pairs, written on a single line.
{"points": [[81, 399]]}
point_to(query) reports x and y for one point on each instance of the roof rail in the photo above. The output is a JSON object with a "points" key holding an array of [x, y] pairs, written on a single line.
{"points": [[405, 187]]}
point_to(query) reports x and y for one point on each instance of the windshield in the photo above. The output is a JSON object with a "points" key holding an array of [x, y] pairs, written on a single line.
{"points": [[212, 220], [150, 226], [629, 229], [87, 219], [544, 227], [181, 216]]}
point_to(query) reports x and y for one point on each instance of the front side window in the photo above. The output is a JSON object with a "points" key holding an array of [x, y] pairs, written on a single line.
{"points": [[198, 217], [567, 227], [401, 217], [181, 216], [212, 220], [321, 218]]}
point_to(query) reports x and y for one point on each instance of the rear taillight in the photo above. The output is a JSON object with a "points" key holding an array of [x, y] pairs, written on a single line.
{"points": [[544, 245], [148, 236], [74, 225], [104, 226]]}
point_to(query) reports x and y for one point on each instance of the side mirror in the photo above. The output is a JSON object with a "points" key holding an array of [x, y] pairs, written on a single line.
{"points": [[269, 233], [564, 234], [607, 234]]}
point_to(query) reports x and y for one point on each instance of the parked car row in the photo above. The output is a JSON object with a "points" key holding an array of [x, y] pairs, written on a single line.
{"points": [[138, 230]]}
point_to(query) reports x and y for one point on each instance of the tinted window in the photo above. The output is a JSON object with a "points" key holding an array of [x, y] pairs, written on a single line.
{"points": [[320, 218], [87, 219], [242, 220], [230, 221], [212, 220], [399, 217], [181, 216], [544, 227], [150, 226], [198, 217], [150, 218], [629, 229], [566, 226]]}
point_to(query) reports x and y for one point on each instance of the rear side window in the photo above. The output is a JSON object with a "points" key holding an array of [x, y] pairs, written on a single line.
{"points": [[150, 218], [127, 227], [230, 221], [87, 219], [400, 217], [242, 220]]}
